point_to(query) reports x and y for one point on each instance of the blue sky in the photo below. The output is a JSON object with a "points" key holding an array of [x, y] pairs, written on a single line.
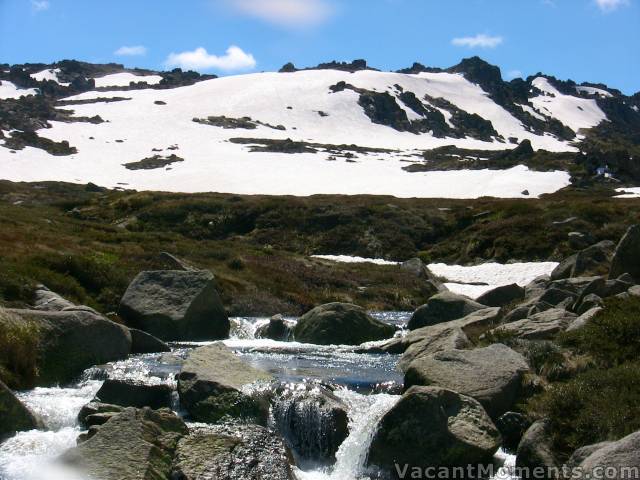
{"points": [[585, 40]]}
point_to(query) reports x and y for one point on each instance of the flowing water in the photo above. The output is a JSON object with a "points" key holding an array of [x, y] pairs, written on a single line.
{"points": [[366, 383]]}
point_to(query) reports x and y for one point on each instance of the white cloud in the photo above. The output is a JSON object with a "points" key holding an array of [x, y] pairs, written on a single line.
{"points": [[199, 59], [610, 5], [289, 13], [40, 5], [511, 74], [481, 41], [131, 51]]}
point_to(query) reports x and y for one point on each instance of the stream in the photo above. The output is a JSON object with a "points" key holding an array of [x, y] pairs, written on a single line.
{"points": [[368, 384]]}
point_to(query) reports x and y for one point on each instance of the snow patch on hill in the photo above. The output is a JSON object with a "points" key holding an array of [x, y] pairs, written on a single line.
{"points": [[123, 79], [9, 90], [49, 74]]}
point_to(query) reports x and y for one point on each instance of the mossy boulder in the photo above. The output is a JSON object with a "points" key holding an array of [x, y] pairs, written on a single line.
{"points": [[211, 385], [340, 324]]}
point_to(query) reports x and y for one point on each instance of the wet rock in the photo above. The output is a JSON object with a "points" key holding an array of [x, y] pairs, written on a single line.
{"points": [[71, 341], [232, 452], [535, 449], [443, 307], [136, 444], [501, 296], [340, 324], [626, 258], [14, 415], [96, 409], [432, 426], [541, 326], [131, 394], [143, 342], [492, 375], [312, 420], [277, 329], [512, 426], [211, 386], [175, 305]]}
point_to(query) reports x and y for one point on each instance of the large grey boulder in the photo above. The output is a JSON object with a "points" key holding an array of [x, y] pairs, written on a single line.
{"points": [[584, 319], [69, 342], [626, 258], [232, 452], [422, 271], [127, 393], [312, 420], [433, 427], [492, 375], [211, 384], [134, 445], [453, 335], [277, 329], [340, 324], [501, 296], [175, 305], [443, 307], [535, 449], [14, 415], [592, 260], [541, 326], [620, 457]]}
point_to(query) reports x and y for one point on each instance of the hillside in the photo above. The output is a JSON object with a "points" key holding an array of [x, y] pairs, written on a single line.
{"points": [[333, 129]]}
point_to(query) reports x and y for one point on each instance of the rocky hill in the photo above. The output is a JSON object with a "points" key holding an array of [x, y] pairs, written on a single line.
{"points": [[338, 128]]}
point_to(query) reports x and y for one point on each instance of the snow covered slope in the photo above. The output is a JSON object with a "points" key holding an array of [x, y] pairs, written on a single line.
{"points": [[9, 90], [323, 108]]}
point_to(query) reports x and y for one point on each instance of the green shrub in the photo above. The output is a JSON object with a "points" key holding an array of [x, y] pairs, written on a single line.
{"points": [[18, 351], [595, 406], [545, 358], [612, 337]]}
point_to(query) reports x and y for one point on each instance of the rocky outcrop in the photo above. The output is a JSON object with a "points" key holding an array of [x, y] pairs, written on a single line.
{"points": [[443, 307], [232, 452], [134, 444], [132, 394], [431, 427], [277, 329], [626, 258], [71, 341], [340, 324], [540, 326], [501, 296], [617, 456], [211, 383], [143, 342], [312, 420], [535, 449], [492, 375], [592, 260], [14, 415], [175, 305]]}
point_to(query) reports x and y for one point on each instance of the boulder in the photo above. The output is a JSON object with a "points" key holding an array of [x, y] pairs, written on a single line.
{"points": [[211, 383], [589, 302], [312, 420], [49, 301], [592, 260], [443, 307], [175, 305], [232, 452], [541, 326], [93, 413], [634, 291], [136, 444], [492, 375], [433, 427], [501, 296], [555, 296], [422, 271], [535, 449], [583, 319], [618, 457], [142, 342], [69, 342], [626, 258], [127, 393], [453, 335], [14, 415], [564, 268], [277, 329], [340, 324]]}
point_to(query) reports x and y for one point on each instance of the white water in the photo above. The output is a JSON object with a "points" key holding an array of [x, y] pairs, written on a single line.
{"points": [[364, 413]]}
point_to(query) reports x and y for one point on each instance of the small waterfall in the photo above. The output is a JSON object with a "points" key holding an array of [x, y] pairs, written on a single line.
{"points": [[365, 411]]}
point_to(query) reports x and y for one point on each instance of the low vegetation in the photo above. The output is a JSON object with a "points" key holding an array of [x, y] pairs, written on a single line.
{"points": [[18, 351]]}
